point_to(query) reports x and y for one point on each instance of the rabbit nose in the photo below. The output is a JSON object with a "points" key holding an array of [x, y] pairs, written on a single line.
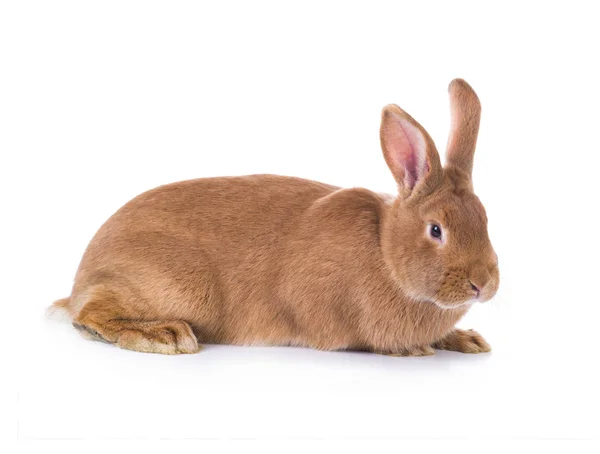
{"points": [[479, 279], [475, 289]]}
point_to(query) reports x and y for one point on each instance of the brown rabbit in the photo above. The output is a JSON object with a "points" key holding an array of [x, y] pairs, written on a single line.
{"points": [[271, 260]]}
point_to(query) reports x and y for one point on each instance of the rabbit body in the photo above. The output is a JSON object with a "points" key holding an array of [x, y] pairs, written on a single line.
{"points": [[272, 260], [258, 260]]}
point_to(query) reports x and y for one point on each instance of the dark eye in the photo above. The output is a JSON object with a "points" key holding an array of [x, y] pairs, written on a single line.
{"points": [[435, 231]]}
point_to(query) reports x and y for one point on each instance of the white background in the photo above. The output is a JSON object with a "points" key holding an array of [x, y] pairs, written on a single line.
{"points": [[103, 100]]}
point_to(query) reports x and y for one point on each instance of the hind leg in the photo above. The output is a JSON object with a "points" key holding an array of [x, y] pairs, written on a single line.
{"points": [[102, 319]]}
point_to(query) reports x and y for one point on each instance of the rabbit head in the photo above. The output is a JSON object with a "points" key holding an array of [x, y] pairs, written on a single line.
{"points": [[434, 235]]}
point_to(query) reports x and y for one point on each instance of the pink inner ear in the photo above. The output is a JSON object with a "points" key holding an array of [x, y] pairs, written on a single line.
{"points": [[407, 149]]}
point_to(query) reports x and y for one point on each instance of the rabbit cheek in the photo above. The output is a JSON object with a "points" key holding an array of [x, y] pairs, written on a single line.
{"points": [[421, 277], [455, 290]]}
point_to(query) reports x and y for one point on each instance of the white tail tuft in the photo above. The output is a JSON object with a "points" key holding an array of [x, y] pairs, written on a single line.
{"points": [[59, 311]]}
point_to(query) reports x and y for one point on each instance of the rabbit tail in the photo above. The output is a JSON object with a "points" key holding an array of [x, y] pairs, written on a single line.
{"points": [[60, 310]]}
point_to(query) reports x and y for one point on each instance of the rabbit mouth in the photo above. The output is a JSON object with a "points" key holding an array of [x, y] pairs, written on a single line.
{"points": [[469, 299]]}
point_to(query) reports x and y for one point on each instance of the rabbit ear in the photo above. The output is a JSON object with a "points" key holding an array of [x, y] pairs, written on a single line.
{"points": [[408, 150], [465, 111]]}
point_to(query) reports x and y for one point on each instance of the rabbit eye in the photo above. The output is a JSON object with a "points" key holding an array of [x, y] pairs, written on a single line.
{"points": [[435, 231]]}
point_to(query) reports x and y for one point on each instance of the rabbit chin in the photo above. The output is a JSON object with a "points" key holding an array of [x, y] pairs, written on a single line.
{"points": [[451, 306], [446, 305]]}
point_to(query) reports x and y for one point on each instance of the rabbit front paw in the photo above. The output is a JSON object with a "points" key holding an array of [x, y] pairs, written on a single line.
{"points": [[463, 341]]}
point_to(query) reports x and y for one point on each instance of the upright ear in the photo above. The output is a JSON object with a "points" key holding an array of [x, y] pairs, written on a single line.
{"points": [[409, 152], [465, 111]]}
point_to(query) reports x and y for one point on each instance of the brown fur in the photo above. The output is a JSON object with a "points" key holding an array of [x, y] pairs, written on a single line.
{"points": [[271, 260]]}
